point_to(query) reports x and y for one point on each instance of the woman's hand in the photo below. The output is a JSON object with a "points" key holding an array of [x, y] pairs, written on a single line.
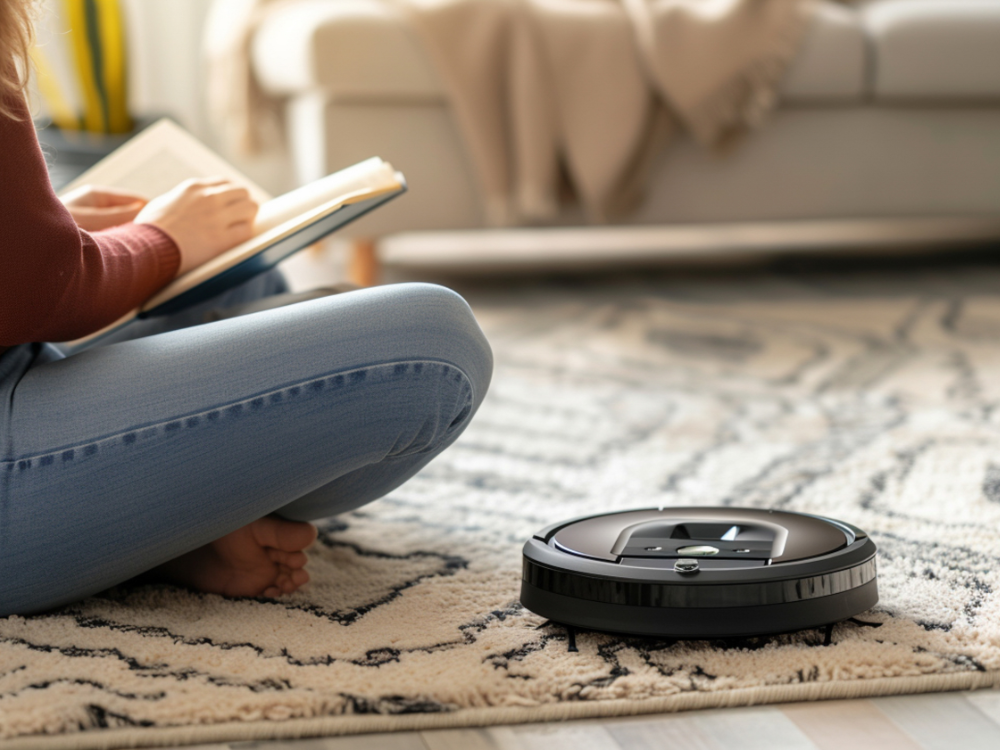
{"points": [[204, 217], [94, 208]]}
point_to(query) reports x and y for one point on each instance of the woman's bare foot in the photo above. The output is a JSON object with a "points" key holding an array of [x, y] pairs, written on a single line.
{"points": [[262, 558]]}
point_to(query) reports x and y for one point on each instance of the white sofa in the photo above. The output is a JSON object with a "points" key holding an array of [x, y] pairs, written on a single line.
{"points": [[888, 125]]}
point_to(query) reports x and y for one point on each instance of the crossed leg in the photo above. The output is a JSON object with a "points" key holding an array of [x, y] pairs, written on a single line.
{"points": [[197, 450]]}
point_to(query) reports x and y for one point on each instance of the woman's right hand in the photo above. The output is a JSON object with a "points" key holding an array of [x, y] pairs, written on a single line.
{"points": [[203, 217]]}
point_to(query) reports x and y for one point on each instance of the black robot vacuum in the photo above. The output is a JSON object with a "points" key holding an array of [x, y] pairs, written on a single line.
{"points": [[699, 572]]}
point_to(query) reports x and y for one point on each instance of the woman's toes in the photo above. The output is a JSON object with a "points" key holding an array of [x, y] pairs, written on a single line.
{"points": [[288, 580], [272, 591], [290, 536], [288, 559], [298, 535]]}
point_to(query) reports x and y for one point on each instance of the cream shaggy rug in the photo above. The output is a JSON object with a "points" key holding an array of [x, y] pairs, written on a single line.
{"points": [[872, 399]]}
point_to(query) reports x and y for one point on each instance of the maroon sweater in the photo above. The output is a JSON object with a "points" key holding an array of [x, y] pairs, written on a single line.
{"points": [[57, 282]]}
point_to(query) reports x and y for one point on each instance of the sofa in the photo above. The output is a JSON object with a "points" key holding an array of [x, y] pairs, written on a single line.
{"points": [[887, 132]]}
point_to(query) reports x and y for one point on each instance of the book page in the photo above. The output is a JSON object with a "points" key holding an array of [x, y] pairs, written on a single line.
{"points": [[367, 175], [157, 160], [367, 179]]}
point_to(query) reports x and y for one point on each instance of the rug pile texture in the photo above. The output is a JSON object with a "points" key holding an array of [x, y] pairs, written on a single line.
{"points": [[872, 398]]}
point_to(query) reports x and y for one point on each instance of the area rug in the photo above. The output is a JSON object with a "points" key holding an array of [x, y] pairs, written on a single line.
{"points": [[870, 398]]}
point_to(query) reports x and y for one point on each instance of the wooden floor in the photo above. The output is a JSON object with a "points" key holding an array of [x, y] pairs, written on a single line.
{"points": [[935, 721]]}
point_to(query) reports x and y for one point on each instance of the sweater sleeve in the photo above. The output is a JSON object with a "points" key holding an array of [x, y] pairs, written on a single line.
{"points": [[57, 282]]}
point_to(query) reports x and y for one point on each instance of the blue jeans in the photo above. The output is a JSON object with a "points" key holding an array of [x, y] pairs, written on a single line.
{"points": [[124, 456]]}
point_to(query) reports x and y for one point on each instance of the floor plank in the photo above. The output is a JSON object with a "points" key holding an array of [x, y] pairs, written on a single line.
{"points": [[458, 739], [674, 731], [386, 741], [580, 735], [834, 725], [761, 728], [941, 721], [987, 702]]}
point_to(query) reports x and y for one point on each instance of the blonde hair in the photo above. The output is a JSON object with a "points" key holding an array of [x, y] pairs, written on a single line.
{"points": [[16, 36]]}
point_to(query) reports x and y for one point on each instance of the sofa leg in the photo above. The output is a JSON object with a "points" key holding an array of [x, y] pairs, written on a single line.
{"points": [[363, 267]]}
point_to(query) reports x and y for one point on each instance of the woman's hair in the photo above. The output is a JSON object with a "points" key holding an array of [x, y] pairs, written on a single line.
{"points": [[16, 36]]}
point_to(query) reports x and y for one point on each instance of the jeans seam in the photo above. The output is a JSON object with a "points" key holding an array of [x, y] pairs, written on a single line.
{"points": [[249, 404]]}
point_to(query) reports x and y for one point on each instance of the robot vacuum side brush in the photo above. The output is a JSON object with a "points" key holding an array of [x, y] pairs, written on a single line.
{"points": [[699, 572]]}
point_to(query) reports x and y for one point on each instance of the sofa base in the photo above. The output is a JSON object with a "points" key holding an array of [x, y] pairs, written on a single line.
{"points": [[805, 163], [622, 247]]}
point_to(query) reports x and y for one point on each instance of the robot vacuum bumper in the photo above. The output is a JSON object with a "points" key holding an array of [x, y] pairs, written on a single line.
{"points": [[699, 572]]}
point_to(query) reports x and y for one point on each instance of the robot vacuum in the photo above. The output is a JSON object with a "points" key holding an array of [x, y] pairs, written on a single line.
{"points": [[699, 572]]}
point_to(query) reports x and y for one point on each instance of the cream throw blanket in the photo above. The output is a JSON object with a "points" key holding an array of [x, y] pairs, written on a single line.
{"points": [[544, 90]]}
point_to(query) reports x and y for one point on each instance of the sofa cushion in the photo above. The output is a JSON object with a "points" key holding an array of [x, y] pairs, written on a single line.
{"points": [[934, 49], [364, 50], [355, 49], [832, 61]]}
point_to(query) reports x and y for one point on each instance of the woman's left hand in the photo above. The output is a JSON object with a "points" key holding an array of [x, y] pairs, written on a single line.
{"points": [[95, 208]]}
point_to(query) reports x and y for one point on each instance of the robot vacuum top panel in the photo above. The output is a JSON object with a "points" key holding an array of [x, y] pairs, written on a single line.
{"points": [[740, 537]]}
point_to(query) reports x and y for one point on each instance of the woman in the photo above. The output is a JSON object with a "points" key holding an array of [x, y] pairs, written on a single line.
{"points": [[197, 455]]}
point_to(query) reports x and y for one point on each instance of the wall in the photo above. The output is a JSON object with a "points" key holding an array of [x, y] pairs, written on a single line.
{"points": [[166, 73], [168, 78], [165, 60]]}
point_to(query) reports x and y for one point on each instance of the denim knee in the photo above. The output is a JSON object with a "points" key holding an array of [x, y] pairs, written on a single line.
{"points": [[452, 332]]}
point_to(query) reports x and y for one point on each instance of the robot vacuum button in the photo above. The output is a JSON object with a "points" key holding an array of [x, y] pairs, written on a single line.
{"points": [[686, 566]]}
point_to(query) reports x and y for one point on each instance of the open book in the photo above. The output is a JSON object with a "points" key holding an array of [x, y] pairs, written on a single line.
{"points": [[165, 154]]}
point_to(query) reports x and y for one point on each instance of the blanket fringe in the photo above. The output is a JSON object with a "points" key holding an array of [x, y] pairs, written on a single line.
{"points": [[720, 121]]}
